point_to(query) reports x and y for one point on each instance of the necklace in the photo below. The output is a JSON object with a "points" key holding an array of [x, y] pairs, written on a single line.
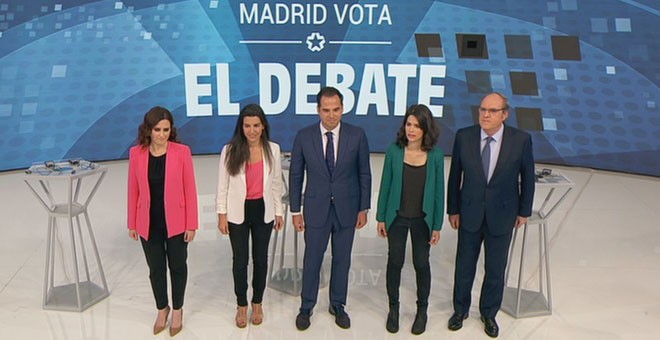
{"points": [[157, 151]]}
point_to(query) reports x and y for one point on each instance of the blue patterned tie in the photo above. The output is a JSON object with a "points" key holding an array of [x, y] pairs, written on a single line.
{"points": [[485, 156], [330, 153]]}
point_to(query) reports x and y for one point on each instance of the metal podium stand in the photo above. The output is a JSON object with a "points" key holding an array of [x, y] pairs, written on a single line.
{"points": [[287, 279], [517, 301], [83, 292]]}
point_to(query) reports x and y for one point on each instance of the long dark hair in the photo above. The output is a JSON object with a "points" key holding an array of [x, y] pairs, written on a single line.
{"points": [[151, 119], [426, 123], [238, 152]]}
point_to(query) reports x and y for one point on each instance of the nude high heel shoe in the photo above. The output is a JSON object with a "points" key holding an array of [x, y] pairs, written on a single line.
{"points": [[159, 328], [257, 314], [241, 316], [174, 330]]}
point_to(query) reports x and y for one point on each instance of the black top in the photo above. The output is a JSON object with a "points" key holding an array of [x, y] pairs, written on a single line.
{"points": [[412, 191], [157, 190]]}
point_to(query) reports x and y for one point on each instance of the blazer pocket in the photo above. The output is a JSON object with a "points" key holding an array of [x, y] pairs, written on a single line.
{"points": [[352, 147]]}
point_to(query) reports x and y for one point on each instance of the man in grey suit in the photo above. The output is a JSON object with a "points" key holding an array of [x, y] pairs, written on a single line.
{"points": [[490, 191], [335, 157]]}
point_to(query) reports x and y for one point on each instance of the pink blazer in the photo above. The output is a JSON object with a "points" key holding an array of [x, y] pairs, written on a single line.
{"points": [[180, 190]]}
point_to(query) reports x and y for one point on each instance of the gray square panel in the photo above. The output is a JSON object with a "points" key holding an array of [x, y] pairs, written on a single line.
{"points": [[518, 46], [428, 45], [599, 25], [529, 118], [478, 81], [524, 83], [474, 109], [566, 48], [472, 46]]}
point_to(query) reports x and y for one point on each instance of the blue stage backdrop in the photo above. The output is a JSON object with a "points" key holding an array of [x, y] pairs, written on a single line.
{"points": [[77, 76]]}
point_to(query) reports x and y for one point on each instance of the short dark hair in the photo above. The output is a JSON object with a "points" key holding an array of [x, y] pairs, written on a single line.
{"points": [[329, 91], [426, 122], [151, 119]]}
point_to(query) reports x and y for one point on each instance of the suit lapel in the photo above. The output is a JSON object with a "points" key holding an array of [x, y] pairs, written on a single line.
{"points": [[505, 151], [344, 141], [476, 149], [317, 144], [266, 168], [144, 162], [170, 161]]}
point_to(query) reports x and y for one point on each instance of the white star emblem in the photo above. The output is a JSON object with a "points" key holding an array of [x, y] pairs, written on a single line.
{"points": [[315, 42]]}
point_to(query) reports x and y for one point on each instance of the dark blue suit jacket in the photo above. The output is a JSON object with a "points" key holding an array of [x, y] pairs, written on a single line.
{"points": [[509, 193], [350, 184]]}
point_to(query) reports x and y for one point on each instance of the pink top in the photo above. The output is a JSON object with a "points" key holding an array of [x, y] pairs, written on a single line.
{"points": [[254, 178]]}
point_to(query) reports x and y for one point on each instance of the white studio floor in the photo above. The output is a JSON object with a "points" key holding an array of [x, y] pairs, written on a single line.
{"points": [[605, 262]]}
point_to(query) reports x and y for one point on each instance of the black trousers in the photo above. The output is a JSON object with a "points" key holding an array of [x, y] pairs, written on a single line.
{"points": [[162, 252], [239, 235], [397, 236], [496, 249]]}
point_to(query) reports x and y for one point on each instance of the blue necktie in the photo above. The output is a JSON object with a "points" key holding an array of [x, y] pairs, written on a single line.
{"points": [[485, 156], [330, 153]]}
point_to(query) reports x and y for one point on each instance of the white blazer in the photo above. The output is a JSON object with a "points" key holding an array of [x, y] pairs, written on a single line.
{"points": [[232, 190]]}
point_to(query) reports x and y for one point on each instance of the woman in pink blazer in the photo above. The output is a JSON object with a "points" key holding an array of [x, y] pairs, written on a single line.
{"points": [[162, 210], [249, 201]]}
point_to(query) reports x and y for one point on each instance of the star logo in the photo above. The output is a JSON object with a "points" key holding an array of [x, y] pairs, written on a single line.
{"points": [[315, 42]]}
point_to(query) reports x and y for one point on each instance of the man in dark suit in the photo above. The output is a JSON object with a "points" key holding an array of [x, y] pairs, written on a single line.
{"points": [[335, 157], [490, 191]]}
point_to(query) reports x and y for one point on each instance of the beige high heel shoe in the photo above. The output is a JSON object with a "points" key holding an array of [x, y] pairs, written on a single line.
{"points": [[257, 314], [159, 328], [241, 316], [174, 330]]}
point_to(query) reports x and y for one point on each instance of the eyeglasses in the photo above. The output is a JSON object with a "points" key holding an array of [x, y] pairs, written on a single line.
{"points": [[483, 110]]}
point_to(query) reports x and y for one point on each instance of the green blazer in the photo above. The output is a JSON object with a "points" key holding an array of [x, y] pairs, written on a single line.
{"points": [[389, 196]]}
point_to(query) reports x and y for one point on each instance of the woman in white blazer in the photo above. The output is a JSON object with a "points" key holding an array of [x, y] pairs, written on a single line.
{"points": [[249, 201]]}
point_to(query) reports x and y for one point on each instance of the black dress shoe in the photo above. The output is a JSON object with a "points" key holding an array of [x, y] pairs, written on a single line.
{"points": [[302, 320], [490, 327], [392, 324], [456, 321], [419, 325], [341, 318]]}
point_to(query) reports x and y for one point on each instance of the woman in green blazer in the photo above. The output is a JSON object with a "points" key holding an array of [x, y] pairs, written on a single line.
{"points": [[411, 199]]}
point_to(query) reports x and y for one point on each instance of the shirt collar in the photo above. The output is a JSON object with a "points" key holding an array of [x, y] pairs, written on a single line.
{"points": [[335, 131], [497, 136]]}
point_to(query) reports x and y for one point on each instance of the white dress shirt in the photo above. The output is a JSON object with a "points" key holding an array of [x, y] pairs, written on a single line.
{"points": [[335, 138], [495, 147]]}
